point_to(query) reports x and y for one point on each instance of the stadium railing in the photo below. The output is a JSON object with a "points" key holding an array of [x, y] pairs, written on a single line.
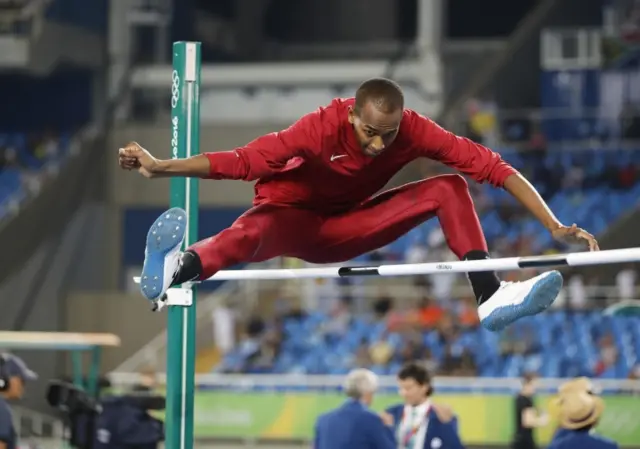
{"points": [[304, 382]]}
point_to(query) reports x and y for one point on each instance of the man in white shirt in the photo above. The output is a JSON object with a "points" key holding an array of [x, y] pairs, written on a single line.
{"points": [[419, 423]]}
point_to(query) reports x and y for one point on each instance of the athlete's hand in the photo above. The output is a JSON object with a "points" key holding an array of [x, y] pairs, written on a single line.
{"points": [[133, 157], [573, 234]]}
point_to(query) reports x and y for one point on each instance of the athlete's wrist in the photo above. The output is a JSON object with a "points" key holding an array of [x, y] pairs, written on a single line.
{"points": [[195, 166], [162, 166], [553, 226]]}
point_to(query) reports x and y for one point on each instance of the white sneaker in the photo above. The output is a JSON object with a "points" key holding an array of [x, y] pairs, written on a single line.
{"points": [[515, 300], [162, 253]]}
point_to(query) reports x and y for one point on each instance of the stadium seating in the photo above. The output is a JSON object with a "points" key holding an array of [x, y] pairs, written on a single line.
{"points": [[20, 159], [561, 344]]}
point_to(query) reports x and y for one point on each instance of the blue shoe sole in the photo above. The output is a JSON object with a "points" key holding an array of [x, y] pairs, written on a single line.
{"points": [[165, 235], [541, 296]]}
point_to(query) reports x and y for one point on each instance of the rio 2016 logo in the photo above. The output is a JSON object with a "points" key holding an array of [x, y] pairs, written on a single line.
{"points": [[174, 137], [175, 97], [175, 89]]}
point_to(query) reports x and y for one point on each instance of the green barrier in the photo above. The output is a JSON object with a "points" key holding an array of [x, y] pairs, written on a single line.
{"points": [[483, 419]]}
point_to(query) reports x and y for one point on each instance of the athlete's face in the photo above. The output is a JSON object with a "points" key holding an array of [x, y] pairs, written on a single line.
{"points": [[375, 129]]}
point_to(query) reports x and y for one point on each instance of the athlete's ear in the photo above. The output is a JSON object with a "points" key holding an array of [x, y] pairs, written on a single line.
{"points": [[352, 115]]}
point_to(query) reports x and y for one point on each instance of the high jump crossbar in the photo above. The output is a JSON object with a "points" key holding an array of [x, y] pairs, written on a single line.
{"points": [[502, 264]]}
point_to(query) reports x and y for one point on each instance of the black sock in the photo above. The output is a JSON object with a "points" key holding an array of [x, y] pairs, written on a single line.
{"points": [[190, 268], [483, 283]]}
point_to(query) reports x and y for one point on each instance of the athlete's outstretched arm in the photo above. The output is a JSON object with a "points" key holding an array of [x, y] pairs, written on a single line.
{"points": [[482, 165], [134, 157], [262, 157], [268, 154], [529, 197]]}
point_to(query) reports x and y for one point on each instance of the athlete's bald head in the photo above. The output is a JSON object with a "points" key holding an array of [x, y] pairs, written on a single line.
{"points": [[385, 94], [377, 114]]}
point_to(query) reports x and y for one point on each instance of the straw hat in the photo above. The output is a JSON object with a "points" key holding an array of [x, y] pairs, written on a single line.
{"points": [[579, 409], [579, 384]]}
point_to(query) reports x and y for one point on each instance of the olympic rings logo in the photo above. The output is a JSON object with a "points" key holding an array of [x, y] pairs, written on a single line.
{"points": [[175, 88]]}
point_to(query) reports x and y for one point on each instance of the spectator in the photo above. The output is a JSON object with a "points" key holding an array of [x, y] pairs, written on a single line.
{"points": [[577, 293], [264, 358], [626, 282], [413, 349], [468, 313], [9, 158], [338, 324], [605, 367], [382, 307], [457, 360], [430, 313], [380, 352]]}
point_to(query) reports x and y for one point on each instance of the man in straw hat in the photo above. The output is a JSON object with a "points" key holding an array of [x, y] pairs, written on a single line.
{"points": [[579, 384], [579, 414]]}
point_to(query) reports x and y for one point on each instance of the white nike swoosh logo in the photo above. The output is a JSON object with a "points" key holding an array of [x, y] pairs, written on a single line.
{"points": [[337, 156]]}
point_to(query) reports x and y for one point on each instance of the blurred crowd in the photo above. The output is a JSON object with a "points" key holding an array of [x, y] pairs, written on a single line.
{"points": [[38, 149], [26, 161], [262, 338], [433, 328]]}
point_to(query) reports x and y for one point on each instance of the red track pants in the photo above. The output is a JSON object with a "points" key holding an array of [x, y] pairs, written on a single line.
{"points": [[267, 231]]}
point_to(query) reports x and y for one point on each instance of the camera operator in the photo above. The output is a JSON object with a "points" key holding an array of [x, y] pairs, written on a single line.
{"points": [[14, 375]]}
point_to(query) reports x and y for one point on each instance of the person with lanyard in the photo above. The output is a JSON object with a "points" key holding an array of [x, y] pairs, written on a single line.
{"points": [[420, 423], [14, 375], [527, 417]]}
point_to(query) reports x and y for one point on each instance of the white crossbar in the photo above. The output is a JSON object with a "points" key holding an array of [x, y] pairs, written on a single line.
{"points": [[466, 266]]}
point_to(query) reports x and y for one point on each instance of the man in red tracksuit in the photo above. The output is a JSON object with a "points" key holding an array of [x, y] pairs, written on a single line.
{"points": [[316, 199]]}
